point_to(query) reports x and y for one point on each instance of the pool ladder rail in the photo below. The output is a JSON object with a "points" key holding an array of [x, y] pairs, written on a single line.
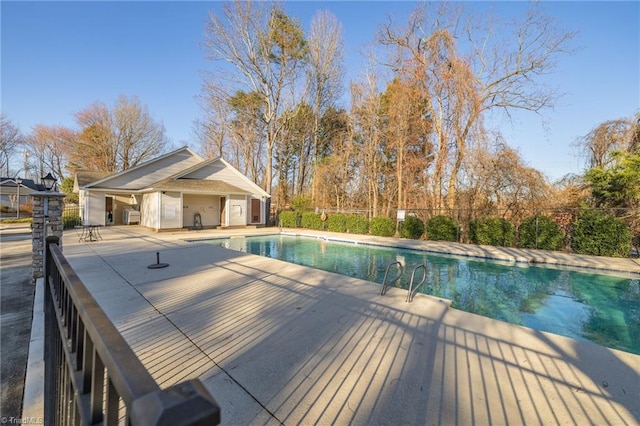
{"points": [[385, 284], [412, 290]]}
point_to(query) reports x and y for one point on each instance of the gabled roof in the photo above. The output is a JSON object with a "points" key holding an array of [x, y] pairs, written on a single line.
{"points": [[237, 172], [145, 174], [181, 169], [196, 172], [10, 182], [85, 177]]}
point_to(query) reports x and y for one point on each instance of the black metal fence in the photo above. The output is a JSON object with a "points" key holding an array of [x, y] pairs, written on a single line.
{"points": [[92, 376], [71, 215], [564, 217]]}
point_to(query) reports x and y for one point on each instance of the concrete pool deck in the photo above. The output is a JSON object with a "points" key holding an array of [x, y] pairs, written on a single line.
{"points": [[277, 343]]}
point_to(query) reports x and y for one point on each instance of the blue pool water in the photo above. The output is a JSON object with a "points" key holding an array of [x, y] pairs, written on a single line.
{"points": [[601, 308]]}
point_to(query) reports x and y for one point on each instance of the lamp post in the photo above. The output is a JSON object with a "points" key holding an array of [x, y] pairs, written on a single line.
{"points": [[18, 182], [47, 224], [49, 182]]}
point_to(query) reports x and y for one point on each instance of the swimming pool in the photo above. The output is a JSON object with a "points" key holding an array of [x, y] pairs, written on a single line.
{"points": [[587, 306]]}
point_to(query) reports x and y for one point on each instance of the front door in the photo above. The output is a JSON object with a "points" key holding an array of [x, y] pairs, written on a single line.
{"points": [[255, 210], [109, 210], [223, 211]]}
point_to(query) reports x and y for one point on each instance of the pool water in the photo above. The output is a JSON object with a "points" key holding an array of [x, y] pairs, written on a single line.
{"points": [[600, 308]]}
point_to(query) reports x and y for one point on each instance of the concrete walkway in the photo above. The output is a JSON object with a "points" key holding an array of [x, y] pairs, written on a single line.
{"points": [[277, 343]]}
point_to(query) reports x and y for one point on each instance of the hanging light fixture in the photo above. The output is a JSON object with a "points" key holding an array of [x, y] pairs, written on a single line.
{"points": [[49, 182]]}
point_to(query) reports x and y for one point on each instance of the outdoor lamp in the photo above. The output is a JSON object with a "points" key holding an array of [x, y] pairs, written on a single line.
{"points": [[48, 181]]}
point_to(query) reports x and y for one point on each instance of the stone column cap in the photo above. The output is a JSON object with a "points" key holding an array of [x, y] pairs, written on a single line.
{"points": [[48, 194]]}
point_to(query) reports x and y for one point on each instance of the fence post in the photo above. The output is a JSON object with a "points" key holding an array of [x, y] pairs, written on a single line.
{"points": [[537, 229], [46, 221], [187, 403]]}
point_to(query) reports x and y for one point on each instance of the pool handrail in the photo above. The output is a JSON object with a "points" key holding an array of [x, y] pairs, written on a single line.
{"points": [[413, 291], [385, 284]]}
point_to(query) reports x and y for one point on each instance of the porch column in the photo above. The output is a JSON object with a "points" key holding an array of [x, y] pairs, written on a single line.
{"points": [[47, 221]]}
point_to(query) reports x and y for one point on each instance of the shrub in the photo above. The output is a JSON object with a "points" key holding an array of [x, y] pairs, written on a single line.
{"points": [[494, 231], [412, 227], [549, 233], [26, 208], [635, 242], [442, 228], [301, 203], [70, 221], [382, 226], [289, 219], [357, 224], [337, 222], [66, 186], [311, 220], [600, 234]]}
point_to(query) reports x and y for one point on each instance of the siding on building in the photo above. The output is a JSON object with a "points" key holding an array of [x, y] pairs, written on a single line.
{"points": [[149, 210], [207, 206], [237, 210], [95, 206], [170, 210]]}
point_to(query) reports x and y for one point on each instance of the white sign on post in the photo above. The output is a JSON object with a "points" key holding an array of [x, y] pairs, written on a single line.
{"points": [[401, 214]]}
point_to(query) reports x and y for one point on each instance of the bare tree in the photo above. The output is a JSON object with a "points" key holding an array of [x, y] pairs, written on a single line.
{"points": [[10, 140], [247, 132], [213, 129], [606, 138], [118, 139], [368, 125], [335, 173], [266, 49], [407, 135], [48, 146], [138, 136], [499, 74], [325, 64], [498, 180], [294, 151], [95, 147]]}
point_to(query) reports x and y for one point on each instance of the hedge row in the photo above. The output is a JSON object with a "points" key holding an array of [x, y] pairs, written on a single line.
{"points": [[593, 232], [355, 224]]}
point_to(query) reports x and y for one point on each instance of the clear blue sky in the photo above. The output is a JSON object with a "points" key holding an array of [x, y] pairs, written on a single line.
{"points": [[59, 57]]}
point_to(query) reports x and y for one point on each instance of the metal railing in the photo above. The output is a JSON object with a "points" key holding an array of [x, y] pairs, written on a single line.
{"points": [[414, 290], [92, 376], [385, 284]]}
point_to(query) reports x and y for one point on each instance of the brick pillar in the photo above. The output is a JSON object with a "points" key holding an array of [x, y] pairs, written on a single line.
{"points": [[47, 221]]}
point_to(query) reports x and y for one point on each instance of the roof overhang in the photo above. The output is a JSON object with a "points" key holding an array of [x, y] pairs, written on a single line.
{"points": [[197, 186], [189, 186]]}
